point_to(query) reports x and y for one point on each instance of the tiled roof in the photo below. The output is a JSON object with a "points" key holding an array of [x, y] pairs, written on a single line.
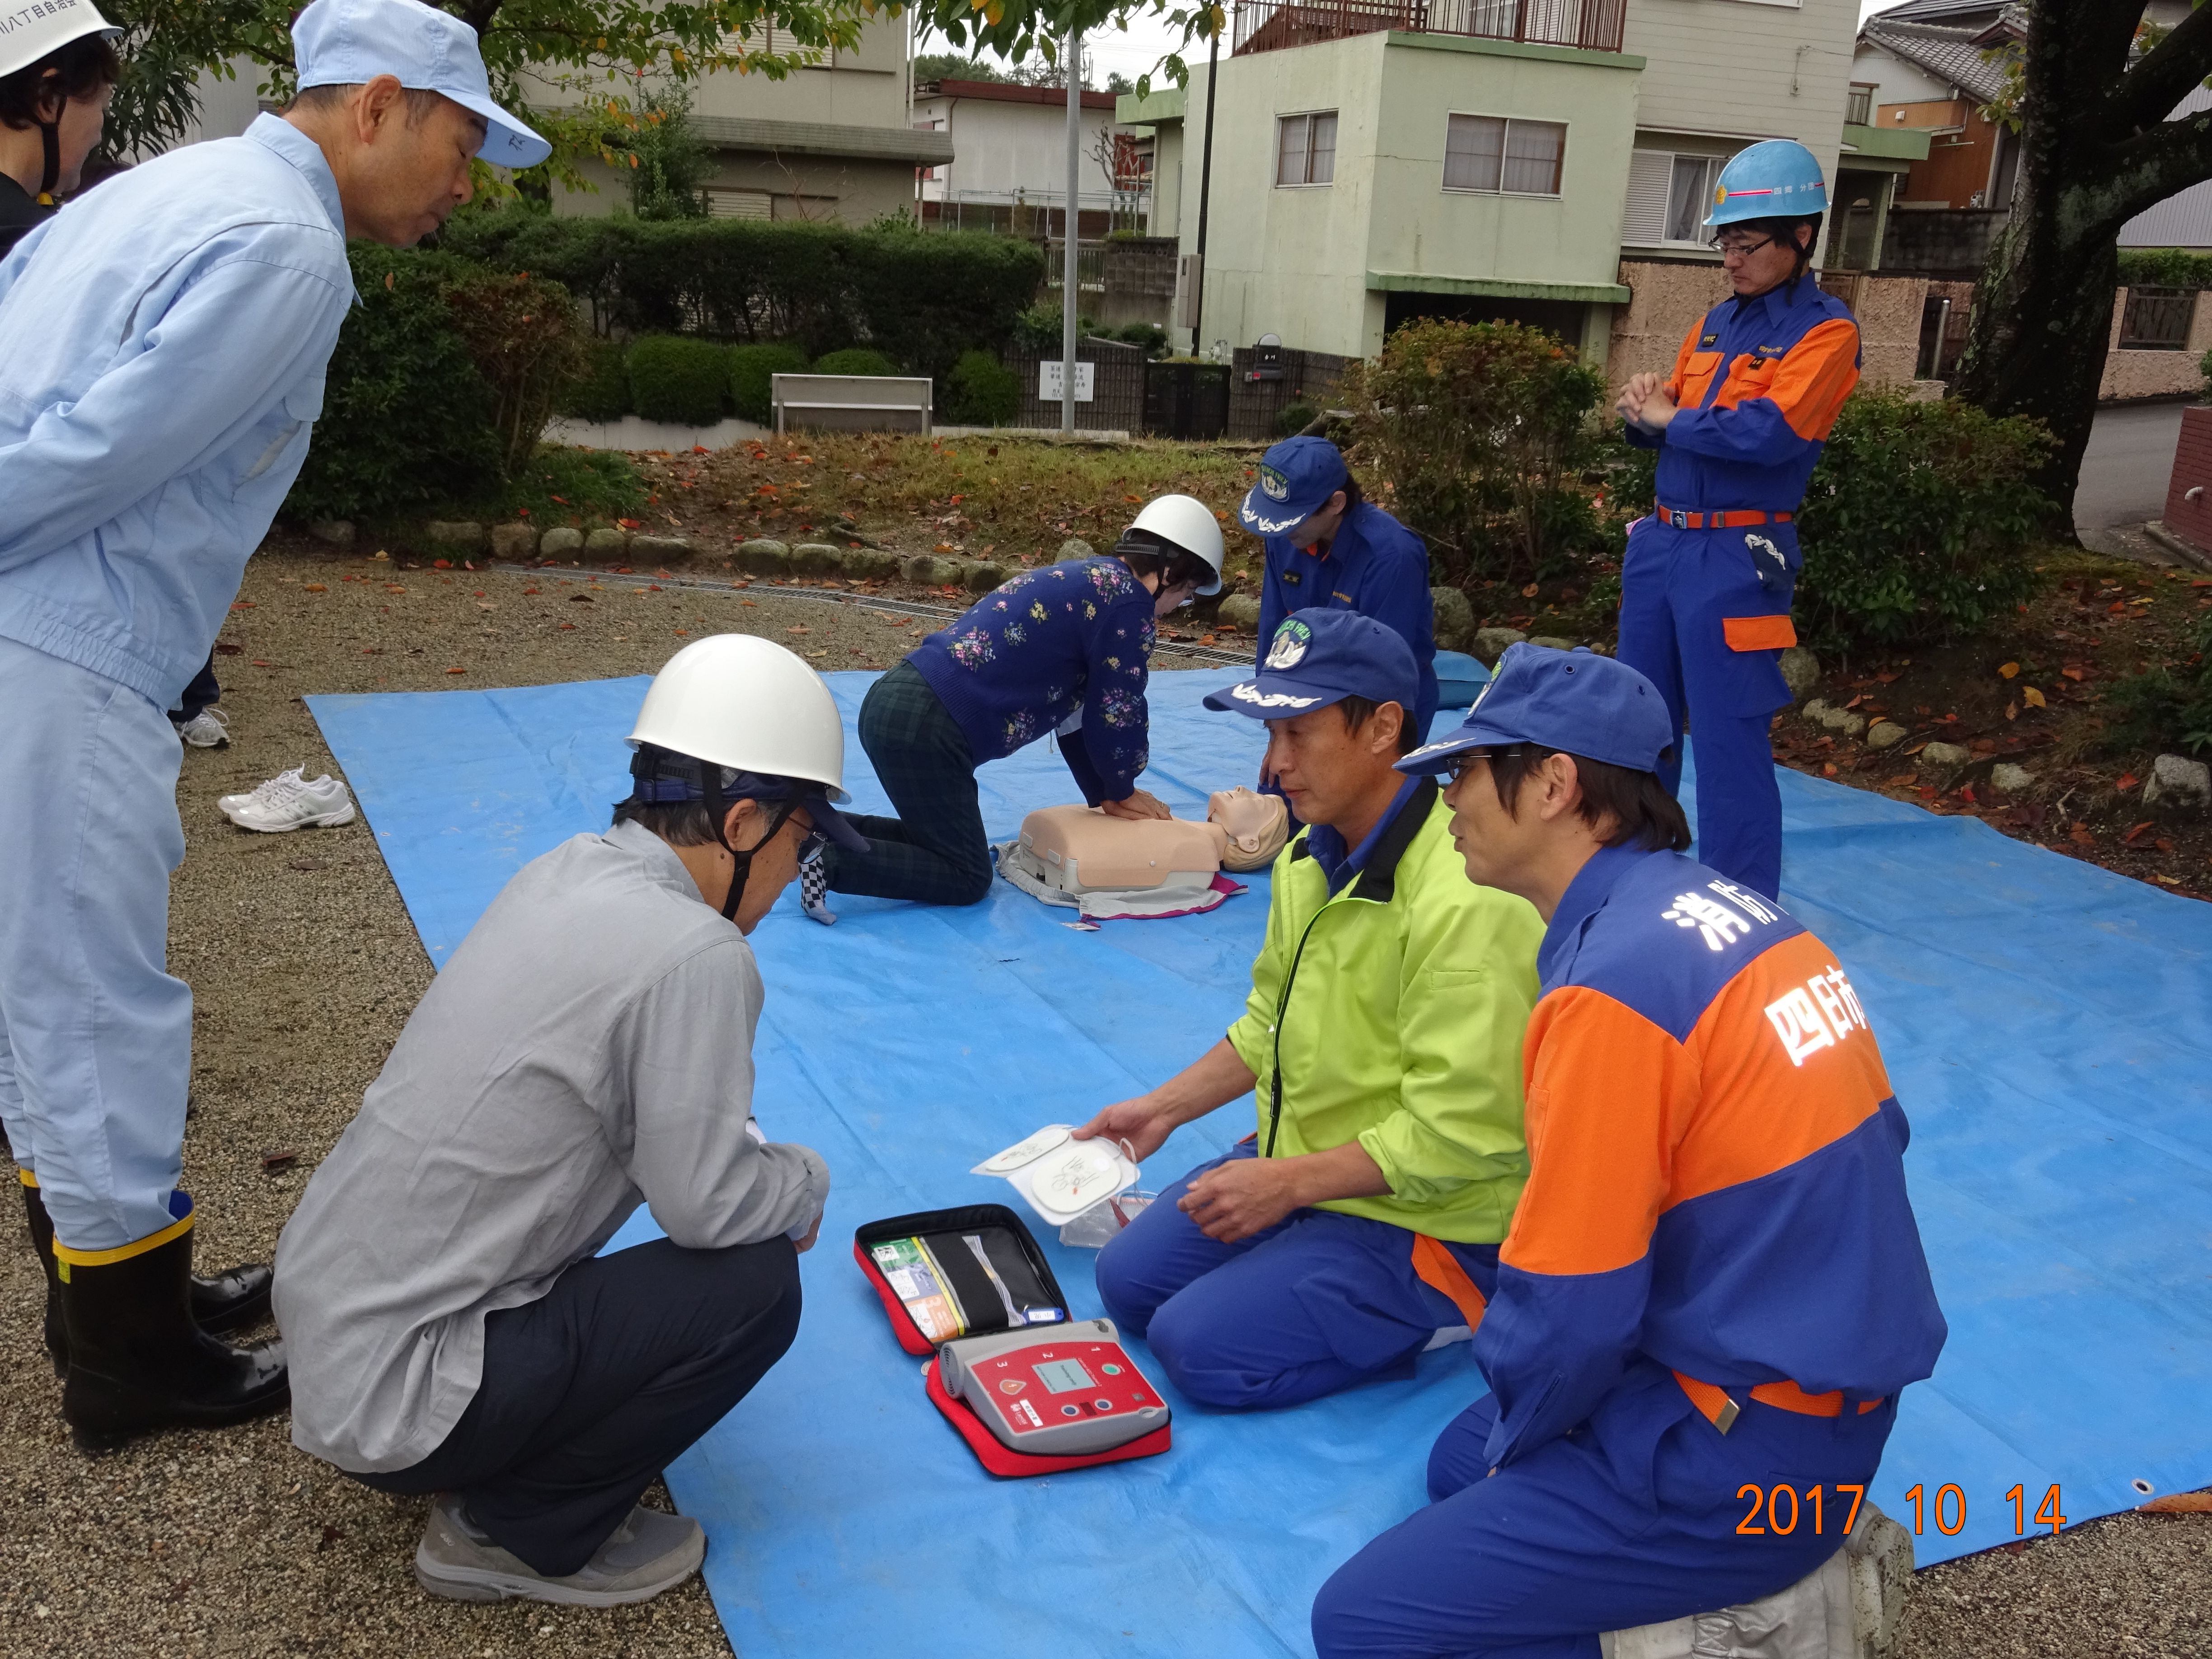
{"points": [[1947, 54]]}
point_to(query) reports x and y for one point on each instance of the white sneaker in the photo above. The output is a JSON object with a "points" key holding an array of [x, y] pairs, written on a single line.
{"points": [[208, 729], [288, 801]]}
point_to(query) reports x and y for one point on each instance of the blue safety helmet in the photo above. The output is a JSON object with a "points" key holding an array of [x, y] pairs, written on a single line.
{"points": [[1778, 179]]}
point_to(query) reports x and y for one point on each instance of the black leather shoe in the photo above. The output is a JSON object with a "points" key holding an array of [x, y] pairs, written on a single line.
{"points": [[229, 1301], [138, 1361]]}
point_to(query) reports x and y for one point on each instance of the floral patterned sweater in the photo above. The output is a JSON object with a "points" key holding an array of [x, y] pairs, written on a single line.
{"points": [[1064, 648]]}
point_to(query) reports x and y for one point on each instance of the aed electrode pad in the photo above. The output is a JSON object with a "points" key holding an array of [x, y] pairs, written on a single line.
{"points": [[1076, 1391], [1061, 1177]]}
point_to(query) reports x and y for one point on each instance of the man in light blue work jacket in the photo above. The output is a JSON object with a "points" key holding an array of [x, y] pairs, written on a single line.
{"points": [[166, 338]]}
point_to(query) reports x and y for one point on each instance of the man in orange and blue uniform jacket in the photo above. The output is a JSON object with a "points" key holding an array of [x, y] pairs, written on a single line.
{"points": [[1713, 1285], [1706, 585]]}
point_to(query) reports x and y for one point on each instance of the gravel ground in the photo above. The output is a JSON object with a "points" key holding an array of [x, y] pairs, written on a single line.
{"points": [[304, 967]]}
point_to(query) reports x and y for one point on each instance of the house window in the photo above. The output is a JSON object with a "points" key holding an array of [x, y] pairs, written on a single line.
{"points": [[1669, 194], [1858, 107], [1490, 153], [1305, 149]]}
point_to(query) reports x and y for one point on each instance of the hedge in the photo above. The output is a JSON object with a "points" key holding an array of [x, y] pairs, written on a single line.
{"points": [[676, 378], [856, 360], [753, 369], [2164, 267], [920, 298], [981, 391]]}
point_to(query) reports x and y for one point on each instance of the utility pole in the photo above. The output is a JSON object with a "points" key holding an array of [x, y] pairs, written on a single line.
{"points": [[1068, 279], [1205, 190]]}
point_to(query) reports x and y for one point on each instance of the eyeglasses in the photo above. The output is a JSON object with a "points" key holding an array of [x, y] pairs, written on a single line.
{"points": [[812, 845], [1460, 764], [1744, 246]]}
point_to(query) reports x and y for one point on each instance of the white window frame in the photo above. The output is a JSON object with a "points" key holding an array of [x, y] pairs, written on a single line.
{"points": [[1308, 116], [1505, 150], [1712, 163]]}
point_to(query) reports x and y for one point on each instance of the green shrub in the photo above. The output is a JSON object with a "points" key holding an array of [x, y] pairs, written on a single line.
{"points": [[753, 369], [407, 415], [982, 392], [528, 345], [654, 141], [1481, 429], [601, 391], [1150, 335], [1037, 328], [919, 298], [679, 379], [1294, 418], [855, 360], [1917, 522], [2167, 709], [2164, 267]]}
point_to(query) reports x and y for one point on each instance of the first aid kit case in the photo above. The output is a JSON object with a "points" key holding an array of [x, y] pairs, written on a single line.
{"points": [[947, 1273]]}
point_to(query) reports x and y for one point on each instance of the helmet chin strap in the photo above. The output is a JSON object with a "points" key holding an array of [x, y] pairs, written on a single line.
{"points": [[710, 788], [49, 137]]}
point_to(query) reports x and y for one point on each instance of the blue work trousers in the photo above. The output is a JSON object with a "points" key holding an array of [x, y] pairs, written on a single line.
{"points": [[1316, 1302], [1632, 1519], [95, 1035], [1694, 604]]}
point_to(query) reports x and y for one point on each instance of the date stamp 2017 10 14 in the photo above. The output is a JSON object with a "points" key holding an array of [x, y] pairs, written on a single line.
{"points": [[1947, 1510]]}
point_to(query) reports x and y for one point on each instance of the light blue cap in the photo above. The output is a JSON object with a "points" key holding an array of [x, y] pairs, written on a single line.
{"points": [[346, 43]]}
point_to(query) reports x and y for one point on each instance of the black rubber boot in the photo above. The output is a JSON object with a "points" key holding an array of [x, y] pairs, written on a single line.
{"points": [[138, 1363], [42, 1243], [229, 1301]]}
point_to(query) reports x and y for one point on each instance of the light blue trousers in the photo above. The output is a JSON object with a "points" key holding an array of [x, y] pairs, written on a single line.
{"points": [[95, 1034]]}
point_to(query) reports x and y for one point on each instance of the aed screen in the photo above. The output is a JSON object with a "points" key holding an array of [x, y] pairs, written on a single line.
{"points": [[1063, 1375]]}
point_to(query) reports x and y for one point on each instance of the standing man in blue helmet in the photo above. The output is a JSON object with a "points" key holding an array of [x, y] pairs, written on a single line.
{"points": [[1329, 547], [1706, 586], [167, 341]]}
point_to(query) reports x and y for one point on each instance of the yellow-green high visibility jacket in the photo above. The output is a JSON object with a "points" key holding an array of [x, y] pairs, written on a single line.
{"points": [[1393, 1015]]}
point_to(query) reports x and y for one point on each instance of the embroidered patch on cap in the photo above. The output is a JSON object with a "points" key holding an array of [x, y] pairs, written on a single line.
{"points": [[1289, 649], [1272, 481]]}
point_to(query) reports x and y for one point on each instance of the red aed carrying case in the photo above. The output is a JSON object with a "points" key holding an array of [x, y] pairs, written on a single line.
{"points": [[1022, 1272]]}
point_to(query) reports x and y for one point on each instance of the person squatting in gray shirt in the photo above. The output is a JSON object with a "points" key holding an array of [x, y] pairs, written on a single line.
{"points": [[451, 1325]]}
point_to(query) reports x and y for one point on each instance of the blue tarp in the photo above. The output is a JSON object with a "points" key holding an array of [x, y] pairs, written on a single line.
{"points": [[2048, 1027]]}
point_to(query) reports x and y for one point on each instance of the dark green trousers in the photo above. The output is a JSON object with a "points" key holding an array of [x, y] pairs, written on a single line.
{"points": [[934, 851]]}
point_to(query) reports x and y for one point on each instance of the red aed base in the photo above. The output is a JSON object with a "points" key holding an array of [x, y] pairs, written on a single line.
{"points": [[994, 1456]]}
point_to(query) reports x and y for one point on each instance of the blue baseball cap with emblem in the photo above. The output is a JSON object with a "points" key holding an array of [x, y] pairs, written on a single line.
{"points": [[1576, 701], [1322, 657], [1297, 478], [349, 42]]}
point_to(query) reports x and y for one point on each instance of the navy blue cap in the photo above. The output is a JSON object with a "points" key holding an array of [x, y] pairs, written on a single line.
{"points": [[1574, 700], [661, 777], [1297, 478], [1322, 657]]}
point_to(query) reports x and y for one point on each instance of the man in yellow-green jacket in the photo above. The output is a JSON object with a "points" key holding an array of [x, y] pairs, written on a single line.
{"points": [[1359, 1224]]}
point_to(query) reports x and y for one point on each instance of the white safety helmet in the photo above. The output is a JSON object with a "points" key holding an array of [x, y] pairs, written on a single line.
{"points": [[41, 31], [746, 703], [1190, 525]]}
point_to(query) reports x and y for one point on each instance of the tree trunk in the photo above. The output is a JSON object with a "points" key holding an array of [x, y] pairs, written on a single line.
{"points": [[2096, 149]]}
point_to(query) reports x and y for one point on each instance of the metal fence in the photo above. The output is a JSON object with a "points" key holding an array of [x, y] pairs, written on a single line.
{"points": [[2157, 319], [1117, 402], [1090, 265], [1273, 25]]}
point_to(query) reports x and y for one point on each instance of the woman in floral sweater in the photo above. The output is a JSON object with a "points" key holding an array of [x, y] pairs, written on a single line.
{"points": [[1063, 649]]}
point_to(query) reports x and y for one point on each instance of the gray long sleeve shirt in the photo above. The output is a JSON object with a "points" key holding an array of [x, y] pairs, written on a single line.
{"points": [[588, 1047]]}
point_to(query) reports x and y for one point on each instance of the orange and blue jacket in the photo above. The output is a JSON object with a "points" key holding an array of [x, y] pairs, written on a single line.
{"points": [[1716, 1177], [1757, 387]]}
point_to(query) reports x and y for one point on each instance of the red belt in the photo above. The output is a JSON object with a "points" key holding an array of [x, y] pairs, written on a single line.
{"points": [[1720, 1407], [1729, 520]]}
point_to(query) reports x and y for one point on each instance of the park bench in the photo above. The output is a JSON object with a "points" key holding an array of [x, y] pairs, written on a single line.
{"points": [[853, 402]]}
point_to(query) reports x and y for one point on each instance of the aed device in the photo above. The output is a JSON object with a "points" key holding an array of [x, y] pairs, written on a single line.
{"points": [[1065, 1398], [1030, 1391]]}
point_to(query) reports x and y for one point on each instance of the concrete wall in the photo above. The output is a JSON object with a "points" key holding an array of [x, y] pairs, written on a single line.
{"points": [[2156, 373], [1747, 70], [1669, 297], [1418, 227], [815, 188], [1290, 262], [865, 87]]}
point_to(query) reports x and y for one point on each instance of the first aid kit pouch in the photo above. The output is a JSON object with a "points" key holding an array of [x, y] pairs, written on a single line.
{"points": [[943, 1274]]}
